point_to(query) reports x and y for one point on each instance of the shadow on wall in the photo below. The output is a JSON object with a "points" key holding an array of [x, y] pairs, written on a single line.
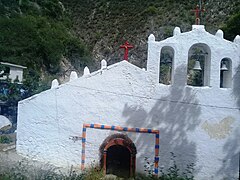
{"points": [[173, 118], [232, 147], [236, 86], [230, 163]]}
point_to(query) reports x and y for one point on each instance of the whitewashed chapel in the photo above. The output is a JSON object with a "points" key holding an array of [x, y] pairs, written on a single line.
{"points": [[195, 109]]}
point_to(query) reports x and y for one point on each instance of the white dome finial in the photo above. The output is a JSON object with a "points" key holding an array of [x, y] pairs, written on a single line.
{"points": [[86, 71], [176, 31], [55, 83], [219, 33], [151, 38], [237, 39], [103, 64], [73, 76]]}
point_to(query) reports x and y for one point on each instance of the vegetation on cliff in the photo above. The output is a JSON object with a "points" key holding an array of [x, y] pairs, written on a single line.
{"points": [[40, 34], [104, 25], [37, 34]]}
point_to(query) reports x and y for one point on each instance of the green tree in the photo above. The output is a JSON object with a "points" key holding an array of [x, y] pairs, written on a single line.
{"points": [[36, 42], [36, 34], [231, 28]]}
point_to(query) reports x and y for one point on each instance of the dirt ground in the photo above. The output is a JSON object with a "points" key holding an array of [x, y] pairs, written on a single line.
{"points": [[8, 155], [11, 161], [8, 151]]}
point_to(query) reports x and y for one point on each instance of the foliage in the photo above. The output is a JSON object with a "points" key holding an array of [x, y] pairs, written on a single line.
{"points": [[36, 42], [4, 139], [33, 83], [173, 171], [108, 24], [50, 8], [24, 170], [151, 10], [93, 173], [165, 74], [10, 92], [231, 28], [148, 167], [14, 92], [165, 67], [37, 34]]}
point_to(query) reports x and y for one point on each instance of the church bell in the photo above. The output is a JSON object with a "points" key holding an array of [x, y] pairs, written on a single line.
{"points": [[197, 66], [224, 67]]}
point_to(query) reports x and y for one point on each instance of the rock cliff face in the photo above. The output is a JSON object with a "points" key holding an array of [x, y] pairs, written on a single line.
{"points": [[104, 25]]}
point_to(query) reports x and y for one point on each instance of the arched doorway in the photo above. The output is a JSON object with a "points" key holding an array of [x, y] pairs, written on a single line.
{"points": [[118, 156], [118, 161]]}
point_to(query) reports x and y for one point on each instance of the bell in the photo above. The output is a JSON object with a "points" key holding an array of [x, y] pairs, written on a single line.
{"points": [[224, 67], [197, 66]]}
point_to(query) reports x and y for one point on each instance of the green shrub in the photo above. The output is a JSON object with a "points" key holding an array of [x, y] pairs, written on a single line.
{"points": [[4, 139], [25, 170], [36, 42], [93, 173], [40, 34], [231, 28], [171, 173], [151, 10]]}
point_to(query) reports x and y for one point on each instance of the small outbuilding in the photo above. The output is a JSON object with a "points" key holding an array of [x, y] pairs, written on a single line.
{"points": [[12, 71]]}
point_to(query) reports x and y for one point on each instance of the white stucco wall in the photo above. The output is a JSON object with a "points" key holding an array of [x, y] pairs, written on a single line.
{"points": [[199, 124]]}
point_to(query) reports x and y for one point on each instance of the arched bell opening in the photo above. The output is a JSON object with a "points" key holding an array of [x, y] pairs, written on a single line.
{"points": [[118, 156], [226, 73], [199, 65], [166, 65]]}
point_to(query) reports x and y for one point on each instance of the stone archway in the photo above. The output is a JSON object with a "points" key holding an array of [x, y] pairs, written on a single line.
{"points": [[118, 155]]}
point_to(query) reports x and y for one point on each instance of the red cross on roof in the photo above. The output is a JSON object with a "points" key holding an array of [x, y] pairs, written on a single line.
{"points": [[126, 46]]}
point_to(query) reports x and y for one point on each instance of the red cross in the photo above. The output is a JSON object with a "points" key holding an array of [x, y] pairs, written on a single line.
{"points": [[126, 46], [197, 14]]}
